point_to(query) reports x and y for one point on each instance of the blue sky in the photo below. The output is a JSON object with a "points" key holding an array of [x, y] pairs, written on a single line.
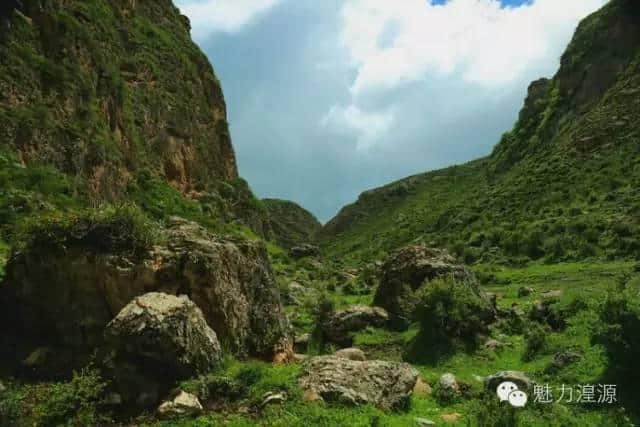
{"points": [[329, 98]]}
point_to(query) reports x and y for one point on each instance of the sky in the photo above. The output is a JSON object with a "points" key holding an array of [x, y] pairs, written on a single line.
{"points": [[329, 98]]}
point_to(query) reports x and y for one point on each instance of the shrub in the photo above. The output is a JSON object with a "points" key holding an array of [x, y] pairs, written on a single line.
{"points": [[124, 229], [536, 341], [451, 316], [619, 331]]}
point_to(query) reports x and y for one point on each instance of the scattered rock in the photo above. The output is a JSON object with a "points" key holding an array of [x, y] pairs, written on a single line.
{"points": [[183, 404], [158, 339], [273, 398], [283, 351], [552, 294], [451, 418], [351, 354], [387, 385], [424, 422], [448, 384], [525, 292], [421, 389], [565, 358], [70, 295], [542, 312], [407, 270], [523, 382], [303, 251], [338, 327]]}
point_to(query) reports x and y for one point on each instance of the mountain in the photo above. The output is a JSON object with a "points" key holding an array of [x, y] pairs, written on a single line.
{"points": [[290, 223], [110, 102], [561, 185]]}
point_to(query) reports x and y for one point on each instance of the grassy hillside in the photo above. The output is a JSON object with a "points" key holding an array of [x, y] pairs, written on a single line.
{"points": [[562, 185]]}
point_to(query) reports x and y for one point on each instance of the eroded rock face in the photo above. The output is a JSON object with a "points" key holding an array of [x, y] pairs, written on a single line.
{"points": [[387, 385], [339, 327], [68, 297], [407, 270]]}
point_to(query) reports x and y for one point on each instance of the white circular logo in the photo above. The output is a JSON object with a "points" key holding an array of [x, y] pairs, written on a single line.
{"points": [[508, 391]]}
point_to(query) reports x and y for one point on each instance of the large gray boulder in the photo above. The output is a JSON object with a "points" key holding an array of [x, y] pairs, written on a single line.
{"points": [[387, 385], [410, 268], [165, 330], [69, 295], [339, 327], [156, 340]]}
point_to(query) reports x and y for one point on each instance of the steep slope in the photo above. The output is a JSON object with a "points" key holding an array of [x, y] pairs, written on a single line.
{"points": [[563, 184], [290, 223], [110, 101]]}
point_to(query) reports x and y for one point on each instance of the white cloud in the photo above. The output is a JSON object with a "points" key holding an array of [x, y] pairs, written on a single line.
{"points": [[486, 43], [368, 126], [476, 42], [229, 16]]}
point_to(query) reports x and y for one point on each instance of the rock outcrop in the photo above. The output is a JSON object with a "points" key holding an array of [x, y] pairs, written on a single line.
{"points": [[183, 404], [339, 326], [410, 268], [304, 250], [65, 298], [387, 385]]}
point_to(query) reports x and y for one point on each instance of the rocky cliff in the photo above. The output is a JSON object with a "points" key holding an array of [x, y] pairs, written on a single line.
{"points": [[103, 90]]}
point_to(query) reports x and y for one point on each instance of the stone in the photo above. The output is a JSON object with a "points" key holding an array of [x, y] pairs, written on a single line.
{"points": [[411, 267], [304, 251], [556, 293], [524, 292], [270, 398], [451, 418], [422, 389], [340, 325], [424, 421], [3, 388], [158, 339], [351, 354], [387, 385], [448, 384], [523, 382], [183, 404], [69, 296]]}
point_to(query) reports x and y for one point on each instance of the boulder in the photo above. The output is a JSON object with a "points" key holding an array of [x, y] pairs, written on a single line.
{"points": [[2, 388], [158, 339], [424, 421], [448, 384], [69, 295], [387, 385], [301, 343], [271, 398], [183, 404], [340, 325], [407, 270], [351, 354], [520, 379], [303, 251]]}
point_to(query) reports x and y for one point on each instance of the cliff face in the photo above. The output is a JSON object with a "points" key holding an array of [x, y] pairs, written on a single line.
{"points": [[104, 90]]}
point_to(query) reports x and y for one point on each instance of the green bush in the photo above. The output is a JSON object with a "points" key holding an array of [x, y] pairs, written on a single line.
{"points": [[535, 340], [73, 403], [619, 331], [123, 229], [451, 316]]}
